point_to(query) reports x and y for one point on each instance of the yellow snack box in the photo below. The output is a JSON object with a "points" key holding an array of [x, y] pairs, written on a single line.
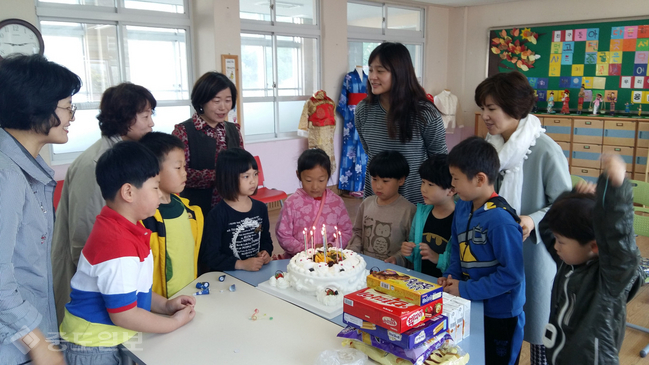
{"points": [[405, 287]]}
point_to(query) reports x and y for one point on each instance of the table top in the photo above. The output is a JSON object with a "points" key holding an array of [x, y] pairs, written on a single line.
{"points": [[474, 344], [222, 331]]}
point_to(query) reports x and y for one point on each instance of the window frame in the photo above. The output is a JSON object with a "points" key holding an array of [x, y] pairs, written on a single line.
{"points": [[276, 29], [120, 17], [407, 37]]}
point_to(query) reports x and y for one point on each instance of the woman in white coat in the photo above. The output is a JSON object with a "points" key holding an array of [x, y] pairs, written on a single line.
{"points": [[533, 172]]}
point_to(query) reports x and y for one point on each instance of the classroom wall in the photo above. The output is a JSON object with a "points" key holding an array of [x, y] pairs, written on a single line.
{"points": [[468, 30]]}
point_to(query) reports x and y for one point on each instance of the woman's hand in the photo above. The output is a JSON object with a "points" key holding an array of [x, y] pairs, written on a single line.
{"points": [[528, 225], [42, 352]]}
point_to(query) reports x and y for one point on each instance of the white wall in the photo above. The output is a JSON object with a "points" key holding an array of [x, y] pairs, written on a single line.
{"points": [[467, 59]]}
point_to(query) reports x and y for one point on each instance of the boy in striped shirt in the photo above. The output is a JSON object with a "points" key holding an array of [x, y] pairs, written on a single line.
{"points": [[111, 297]]}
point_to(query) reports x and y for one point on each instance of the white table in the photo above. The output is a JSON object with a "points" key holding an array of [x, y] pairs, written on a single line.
{"points": [[222, 333]]}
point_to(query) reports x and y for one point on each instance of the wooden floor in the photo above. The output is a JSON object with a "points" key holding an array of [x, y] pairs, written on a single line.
{"points": [[637, 309]]}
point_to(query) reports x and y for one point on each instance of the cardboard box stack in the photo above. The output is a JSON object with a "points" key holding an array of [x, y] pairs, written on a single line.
{"points": [[402, 313]]}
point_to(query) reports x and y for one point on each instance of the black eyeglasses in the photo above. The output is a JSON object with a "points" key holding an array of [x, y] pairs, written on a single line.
{"points": [[72, 109]]}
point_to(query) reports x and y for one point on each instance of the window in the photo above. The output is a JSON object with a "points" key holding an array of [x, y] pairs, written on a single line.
{"points": [[370, 24], [280, 64], [106, 44]]}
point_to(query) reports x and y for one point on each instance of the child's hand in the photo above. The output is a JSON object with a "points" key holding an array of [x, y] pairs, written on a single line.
{"points": [[442, 281], [585, 187], [391, 260], [178, 303], [427, 253], [614, 167], [264, 255], [406, 248], [184, 315], [452, 286], [251, 264], [528, 226]]}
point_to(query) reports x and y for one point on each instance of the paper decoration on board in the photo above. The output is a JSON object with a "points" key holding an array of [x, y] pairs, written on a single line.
{"points": [[590, 58], [542, 94], [511, 48], [641, 57], [587, 81], [599, 82], [577, 70], [646, 83], [631, 32], [542, 83], [638, 82], [588, 95], [614, 69], [566, 59], [616, 45], [532, 81], [564, 82], [593, 34], [601, 69], [628, 45], [626, 82], [636, 96], [640, 70], [642, 45], [591, 46], [615, 57], [575, 82]]}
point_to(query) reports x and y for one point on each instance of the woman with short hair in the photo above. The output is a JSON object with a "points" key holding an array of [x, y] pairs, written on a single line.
{"points": [[206, 134], [35, 109]]}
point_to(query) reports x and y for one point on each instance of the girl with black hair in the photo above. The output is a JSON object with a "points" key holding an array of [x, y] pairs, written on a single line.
{"points": [[237, 235], [313, 205], [396, 115]]}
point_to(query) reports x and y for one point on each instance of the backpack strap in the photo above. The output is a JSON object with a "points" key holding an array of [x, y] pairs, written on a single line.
{"points": [[500, 202]]}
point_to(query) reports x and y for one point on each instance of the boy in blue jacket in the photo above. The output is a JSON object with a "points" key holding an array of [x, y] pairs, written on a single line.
{"points": [[427, 247], [486, 254]]}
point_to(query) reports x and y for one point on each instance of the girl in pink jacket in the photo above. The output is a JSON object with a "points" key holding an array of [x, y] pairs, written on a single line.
{"points": [[312, 206]]}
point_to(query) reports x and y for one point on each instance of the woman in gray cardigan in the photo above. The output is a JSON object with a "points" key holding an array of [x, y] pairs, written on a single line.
{"points": [[533, 172]]}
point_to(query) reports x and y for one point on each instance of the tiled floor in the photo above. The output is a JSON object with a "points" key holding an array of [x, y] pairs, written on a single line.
{"points": [[637, 312]]}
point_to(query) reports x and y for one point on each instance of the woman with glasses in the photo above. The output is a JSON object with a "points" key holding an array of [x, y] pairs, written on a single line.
{"points": [[206, 134], [125, 114], [35, 109]]}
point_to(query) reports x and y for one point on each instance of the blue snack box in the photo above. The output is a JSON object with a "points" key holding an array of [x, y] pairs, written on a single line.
{"points": [[407, 340]]}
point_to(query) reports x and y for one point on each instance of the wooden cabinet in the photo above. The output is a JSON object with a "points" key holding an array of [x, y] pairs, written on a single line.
{"points": [[583, 138]]}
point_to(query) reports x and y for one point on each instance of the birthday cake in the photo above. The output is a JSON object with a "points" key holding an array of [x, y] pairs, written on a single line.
{"points": [[328, 277]]}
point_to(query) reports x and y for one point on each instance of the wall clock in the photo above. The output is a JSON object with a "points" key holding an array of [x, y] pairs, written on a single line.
{"points": [[19, 36]]}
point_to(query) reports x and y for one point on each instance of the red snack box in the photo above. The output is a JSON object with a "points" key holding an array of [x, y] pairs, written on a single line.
{"points": [[387, 311]]}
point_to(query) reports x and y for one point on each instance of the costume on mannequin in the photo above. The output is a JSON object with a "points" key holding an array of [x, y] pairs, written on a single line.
{"points": [[353, 159], [447, 104], [318, 123]]}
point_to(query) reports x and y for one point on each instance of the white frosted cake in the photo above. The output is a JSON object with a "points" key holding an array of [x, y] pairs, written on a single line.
{"points": [[342, 272]]}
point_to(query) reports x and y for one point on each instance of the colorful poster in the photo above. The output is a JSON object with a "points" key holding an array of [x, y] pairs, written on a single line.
{"points": [[542, 83], [593, 34], [645, 97], [625, 82], [557, 36], [581, 35], [532, 81], [643, 31], [566, 59], [564, 82], [614, 69], [617, 32], [568, 47], [555, 70], [640, 70], [642, 44], [641, 57], [591, 46], [575, 82], [602, 57], [556, 47], [590, 58], [615, 57], [587, 81], [616, 44], [631, 32], [541, 94], [588, 95], [638, 82], [636, 96], [568, 35], [629, 45], [601, 69]]}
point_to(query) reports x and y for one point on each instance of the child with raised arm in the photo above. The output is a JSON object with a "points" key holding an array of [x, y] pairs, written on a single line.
{"points": [[383, 220], [427, 248], [598, 269], [237, 235], [487, 250], [177, 227], [312, 206], [111, 297]]}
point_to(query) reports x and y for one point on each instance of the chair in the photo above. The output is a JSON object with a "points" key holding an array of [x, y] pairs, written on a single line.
{"points": [[57, 193], [264, 194], [575, 180], [640, 192]]}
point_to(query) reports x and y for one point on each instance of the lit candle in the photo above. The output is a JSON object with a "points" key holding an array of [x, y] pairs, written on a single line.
{"points": [[313, 232], [304, 234], [336, 236], [312, 243], [324, 242]]}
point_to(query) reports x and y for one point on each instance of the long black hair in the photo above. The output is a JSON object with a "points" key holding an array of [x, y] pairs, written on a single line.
{"points": [[407, 97]]}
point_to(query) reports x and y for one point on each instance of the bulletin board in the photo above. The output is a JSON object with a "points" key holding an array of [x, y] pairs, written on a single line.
{"points": [[610, 58]]}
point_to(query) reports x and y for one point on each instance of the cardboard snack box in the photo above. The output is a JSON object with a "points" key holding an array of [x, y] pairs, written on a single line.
{"points": [[466, 318], [411, 289], [387, 311], [407, 340]]}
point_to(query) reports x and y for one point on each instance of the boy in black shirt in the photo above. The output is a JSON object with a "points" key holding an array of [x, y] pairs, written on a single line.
{"points": [[431, 225]]}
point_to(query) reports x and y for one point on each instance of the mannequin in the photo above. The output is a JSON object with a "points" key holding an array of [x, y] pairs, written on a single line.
{"points": [[447, 103], [318, 123]]}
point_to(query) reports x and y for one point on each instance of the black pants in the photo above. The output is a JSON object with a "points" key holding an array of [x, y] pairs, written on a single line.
{"points": [[498, 336]]}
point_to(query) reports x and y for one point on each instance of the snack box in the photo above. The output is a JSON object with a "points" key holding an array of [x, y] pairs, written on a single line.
{"points": [[454, 311], [387, 311], [407, 340], [412, 290], [466, 318]]}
